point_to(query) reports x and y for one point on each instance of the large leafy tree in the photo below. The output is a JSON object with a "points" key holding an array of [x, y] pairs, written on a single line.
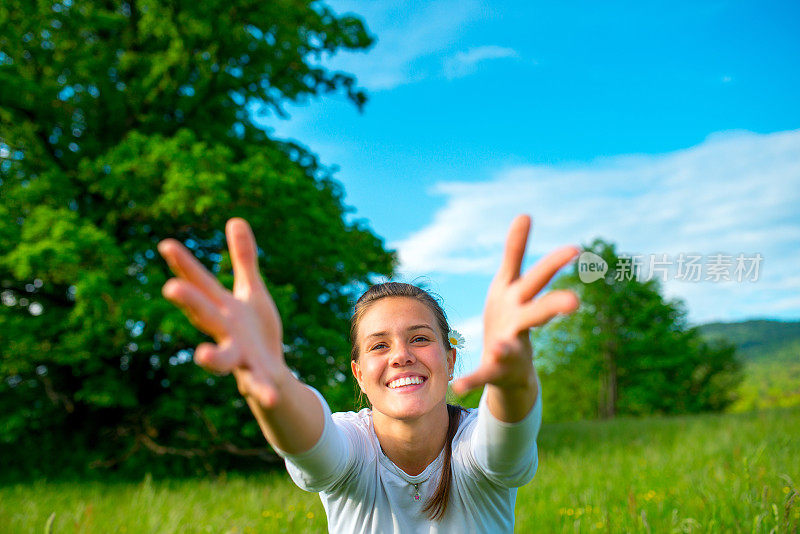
{"points": [[125, 122], [628, 350]]}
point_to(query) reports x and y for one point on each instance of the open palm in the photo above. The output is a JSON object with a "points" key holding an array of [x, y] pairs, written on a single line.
{"points": [[244, 323], [512, 308]]}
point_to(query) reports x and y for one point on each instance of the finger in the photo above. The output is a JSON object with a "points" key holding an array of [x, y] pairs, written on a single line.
{"points": [[200, 310], [515, 248], [222, 358], [545, 269], [244, 255], [248, 284], [185, 265], [541, 310], [479, 378]]}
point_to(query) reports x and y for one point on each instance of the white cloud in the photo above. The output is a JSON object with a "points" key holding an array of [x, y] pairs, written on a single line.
{"points": [[735, 192], [410, 37], [464, 63]]}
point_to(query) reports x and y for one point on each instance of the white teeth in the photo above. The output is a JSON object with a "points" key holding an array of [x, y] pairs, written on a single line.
{"points": [[400, 382]]}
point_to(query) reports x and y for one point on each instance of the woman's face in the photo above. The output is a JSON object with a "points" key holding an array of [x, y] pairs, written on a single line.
{"points": [[403, 366]]}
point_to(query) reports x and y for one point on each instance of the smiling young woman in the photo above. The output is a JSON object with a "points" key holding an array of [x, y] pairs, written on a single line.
{"points": [[403, 333], [410, 462]]}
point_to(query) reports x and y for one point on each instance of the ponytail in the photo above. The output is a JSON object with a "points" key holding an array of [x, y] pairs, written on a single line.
{"points": [[436, 506]]}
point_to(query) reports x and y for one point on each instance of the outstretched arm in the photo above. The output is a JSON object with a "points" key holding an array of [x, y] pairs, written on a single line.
{"points": [[512, 308], [249, 338]]}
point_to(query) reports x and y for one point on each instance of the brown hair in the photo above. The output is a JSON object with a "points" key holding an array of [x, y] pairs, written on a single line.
{"points": [[436, 506]]}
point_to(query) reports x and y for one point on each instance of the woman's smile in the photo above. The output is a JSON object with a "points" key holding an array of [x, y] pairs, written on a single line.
{"points": [[407, 382]]}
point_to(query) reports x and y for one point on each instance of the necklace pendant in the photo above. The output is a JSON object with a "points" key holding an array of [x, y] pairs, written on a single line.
{"points": [[416, 492]]}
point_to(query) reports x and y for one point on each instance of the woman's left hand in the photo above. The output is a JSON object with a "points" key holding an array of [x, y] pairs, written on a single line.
{"points": [[512, 308]]}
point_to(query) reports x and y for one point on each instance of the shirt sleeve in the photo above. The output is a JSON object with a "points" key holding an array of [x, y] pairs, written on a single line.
{"points": [[506, 453], [326, 463]]}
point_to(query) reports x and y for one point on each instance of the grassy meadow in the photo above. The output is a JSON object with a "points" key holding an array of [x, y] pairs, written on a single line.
{"points": [[709, 473]]}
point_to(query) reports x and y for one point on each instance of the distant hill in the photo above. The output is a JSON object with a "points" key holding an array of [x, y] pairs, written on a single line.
{"points": [[770, 351], [758, 340]]}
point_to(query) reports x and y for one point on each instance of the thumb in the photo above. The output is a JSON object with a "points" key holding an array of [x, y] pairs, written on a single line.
{"points": [[467, 383], [220, 358], [256, 386]]}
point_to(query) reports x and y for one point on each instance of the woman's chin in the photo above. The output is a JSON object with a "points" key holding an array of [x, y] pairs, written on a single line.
{"points": [[405, 407]]}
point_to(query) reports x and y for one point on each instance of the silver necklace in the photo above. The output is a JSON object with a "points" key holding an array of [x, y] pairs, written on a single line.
{"points": [[416, 495]]}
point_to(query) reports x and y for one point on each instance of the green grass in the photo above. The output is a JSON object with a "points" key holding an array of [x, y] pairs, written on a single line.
{"points": [[264, 503], [711, 473]]}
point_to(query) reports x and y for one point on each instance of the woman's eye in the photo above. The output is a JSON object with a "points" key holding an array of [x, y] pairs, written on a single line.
{"points": [[378, 346], [419, 338]]}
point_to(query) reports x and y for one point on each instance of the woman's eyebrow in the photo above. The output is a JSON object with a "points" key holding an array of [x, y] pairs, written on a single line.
{"points": [[409, 329], [377, 334]]}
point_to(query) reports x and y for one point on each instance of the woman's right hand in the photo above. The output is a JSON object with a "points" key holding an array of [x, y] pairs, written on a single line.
{"points": [[245, 323]]}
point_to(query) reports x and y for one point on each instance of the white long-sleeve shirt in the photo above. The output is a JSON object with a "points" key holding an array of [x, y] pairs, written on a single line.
{"points": [[363, 491]]}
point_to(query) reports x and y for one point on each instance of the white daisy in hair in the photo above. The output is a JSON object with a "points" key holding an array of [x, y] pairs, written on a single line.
{"points": [[456, 339]]}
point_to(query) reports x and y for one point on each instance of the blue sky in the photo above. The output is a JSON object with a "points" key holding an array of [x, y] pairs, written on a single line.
{"points": [[666, 127]]}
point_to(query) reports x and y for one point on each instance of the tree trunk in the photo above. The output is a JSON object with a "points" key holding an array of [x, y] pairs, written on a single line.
{"points": [[607, 401]]}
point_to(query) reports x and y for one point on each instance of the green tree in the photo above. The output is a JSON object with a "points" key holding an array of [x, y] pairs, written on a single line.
{"points": [[627, 350], [125, 122]]}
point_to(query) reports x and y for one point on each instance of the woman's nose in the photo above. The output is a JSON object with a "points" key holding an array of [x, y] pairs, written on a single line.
{"points": [[402, 356]]}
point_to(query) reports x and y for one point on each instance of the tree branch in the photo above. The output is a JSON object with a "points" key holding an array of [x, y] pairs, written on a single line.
{"points": [[56, 397]]}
